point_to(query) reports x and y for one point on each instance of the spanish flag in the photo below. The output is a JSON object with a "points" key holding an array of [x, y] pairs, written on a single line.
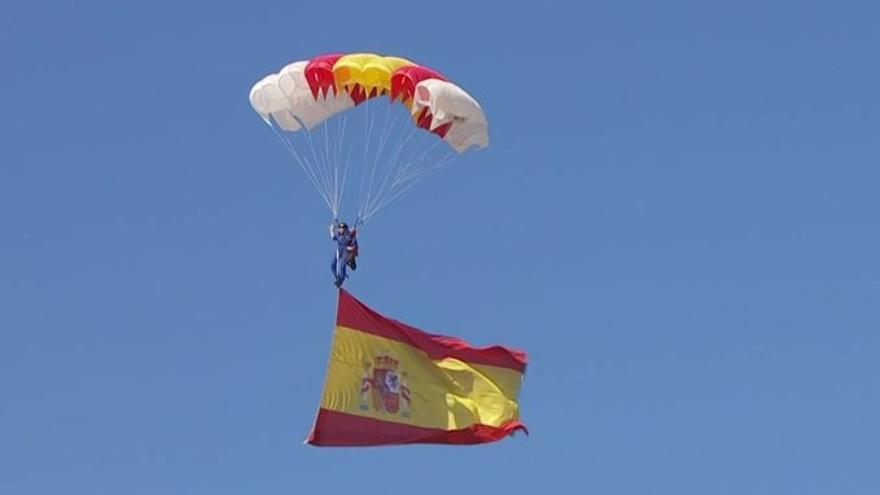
{"points": [[389, 383]]}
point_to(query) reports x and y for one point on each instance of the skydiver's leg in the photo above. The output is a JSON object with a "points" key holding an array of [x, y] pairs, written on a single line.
{"points": [[333, 268], [341, 266]]}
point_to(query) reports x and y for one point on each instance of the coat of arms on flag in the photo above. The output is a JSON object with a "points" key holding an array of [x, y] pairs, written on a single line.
{"points": [[384, 388]]}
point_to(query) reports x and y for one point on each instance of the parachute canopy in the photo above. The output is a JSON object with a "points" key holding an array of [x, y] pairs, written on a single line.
{"points": [[307, 94]]}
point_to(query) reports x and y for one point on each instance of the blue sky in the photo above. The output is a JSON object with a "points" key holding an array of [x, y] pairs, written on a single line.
{"points": [[677, 219]]}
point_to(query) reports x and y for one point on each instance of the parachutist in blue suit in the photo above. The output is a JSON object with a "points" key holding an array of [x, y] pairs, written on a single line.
{"points": [[346, 251]]}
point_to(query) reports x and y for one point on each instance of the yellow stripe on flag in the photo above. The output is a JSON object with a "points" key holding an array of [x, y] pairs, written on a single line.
{"points": [[385, 379]]}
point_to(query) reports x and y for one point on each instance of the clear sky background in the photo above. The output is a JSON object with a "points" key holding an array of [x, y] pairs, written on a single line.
{"points": [[678, 218]]}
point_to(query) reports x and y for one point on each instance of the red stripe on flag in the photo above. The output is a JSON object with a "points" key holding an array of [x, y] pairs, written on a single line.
{"points": [[338, 429], [357, 316]]}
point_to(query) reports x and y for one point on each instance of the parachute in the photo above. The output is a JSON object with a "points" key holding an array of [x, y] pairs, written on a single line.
{"points": [[408, 119]]}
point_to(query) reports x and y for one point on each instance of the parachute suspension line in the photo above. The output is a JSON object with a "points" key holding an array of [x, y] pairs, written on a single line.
{"points": [[323, 171], [349, 159], [306, 166], [413, 165], [331, 159], [395, 158], [384, 135], [330, 165], [342, 162], [409, 181], [368, 132], [407, 172], [332, 169], [419, 172], [319, 171], [405, 132], [392, 169], [393, 164]]}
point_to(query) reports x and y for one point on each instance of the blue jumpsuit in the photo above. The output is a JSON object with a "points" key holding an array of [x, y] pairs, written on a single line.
{"points": [[341, 258]]}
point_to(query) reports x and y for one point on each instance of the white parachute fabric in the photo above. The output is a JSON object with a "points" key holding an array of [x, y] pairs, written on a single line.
{"points": [[285, 97], [449, 104], [269, 101], [305, 107]]}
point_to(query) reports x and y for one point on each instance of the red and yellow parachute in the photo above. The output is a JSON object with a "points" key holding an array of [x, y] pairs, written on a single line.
{"points": [[307, 93], [301, 100]]}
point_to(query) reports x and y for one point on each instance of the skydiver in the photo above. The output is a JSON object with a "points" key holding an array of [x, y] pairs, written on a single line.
{"points": [[346, 250]]}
